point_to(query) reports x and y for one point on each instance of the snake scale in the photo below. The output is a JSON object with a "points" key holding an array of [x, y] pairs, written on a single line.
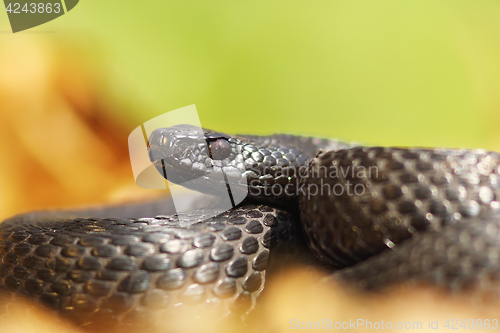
{"points": [[376, 216]]}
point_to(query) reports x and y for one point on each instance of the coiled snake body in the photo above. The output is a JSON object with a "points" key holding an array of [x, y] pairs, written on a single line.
{"points": [[378, 216]]}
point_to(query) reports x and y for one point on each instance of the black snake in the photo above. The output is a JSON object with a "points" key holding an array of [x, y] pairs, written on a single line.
{"points": [[377, 216]]}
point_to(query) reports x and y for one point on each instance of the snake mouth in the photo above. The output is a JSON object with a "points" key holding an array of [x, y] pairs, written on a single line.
{"points": [[179, 156]]}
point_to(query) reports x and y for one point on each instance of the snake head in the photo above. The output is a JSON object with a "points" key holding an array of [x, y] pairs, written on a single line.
{"points": [[196, 158]]}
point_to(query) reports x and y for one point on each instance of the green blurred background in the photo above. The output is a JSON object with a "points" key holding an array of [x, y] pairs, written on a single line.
{"points": [[388, 72]]}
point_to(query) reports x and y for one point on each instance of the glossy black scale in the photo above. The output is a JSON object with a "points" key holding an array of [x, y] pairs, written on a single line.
{"points": [[419, 207], [129, 268], [426, 190]]}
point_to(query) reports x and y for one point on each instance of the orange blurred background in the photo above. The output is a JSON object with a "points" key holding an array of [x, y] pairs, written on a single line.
{"points": [[61, 144]]}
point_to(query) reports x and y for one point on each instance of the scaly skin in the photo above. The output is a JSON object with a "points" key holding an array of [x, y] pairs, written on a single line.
{"points": [[396, 201]]}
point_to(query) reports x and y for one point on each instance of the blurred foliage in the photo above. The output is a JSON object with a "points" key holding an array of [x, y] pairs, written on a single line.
{"points": [[388, 72], [58, 144]]}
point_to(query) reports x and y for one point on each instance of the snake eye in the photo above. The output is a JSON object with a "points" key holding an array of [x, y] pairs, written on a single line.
{"points": [[219, 149]]}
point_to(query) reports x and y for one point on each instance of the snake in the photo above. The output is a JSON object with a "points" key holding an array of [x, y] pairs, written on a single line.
{"points": [[373, 217]]}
